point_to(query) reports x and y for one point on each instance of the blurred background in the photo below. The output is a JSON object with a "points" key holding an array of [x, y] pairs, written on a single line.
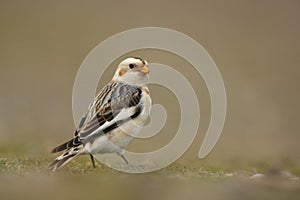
{"points": [[255, 45]]}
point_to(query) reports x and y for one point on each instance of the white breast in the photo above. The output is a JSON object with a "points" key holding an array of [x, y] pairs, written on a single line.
{"points": [[119, 138]]}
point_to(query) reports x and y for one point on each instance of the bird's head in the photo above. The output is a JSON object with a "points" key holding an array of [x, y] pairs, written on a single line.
{"points": [[133, 71]]}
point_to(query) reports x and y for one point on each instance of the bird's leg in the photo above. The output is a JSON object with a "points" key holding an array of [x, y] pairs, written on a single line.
{"points": [[93, 161], [123, 157], [121, 154]]}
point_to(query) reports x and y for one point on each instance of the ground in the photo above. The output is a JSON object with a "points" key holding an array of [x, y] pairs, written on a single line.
{"points": [[29, 178]]}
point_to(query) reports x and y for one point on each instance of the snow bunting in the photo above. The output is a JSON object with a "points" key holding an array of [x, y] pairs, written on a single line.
{"points": [[114, 117]]}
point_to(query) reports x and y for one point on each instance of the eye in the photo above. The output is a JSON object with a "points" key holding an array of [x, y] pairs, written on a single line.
{"points": [[131, 66]]}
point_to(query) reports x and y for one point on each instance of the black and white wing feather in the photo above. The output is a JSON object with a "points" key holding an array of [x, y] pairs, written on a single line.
{"points": [[115, 104]]}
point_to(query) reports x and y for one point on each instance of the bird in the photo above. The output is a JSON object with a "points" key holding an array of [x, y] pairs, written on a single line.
{"points": [[114, 117]]}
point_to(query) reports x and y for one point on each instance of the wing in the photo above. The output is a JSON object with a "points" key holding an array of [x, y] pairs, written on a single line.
{"points": [[80, 124], [114, 105], [100, 99]]}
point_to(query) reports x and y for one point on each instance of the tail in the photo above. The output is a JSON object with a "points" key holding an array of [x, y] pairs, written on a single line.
{"points": [[65, 158], [74, 142]]}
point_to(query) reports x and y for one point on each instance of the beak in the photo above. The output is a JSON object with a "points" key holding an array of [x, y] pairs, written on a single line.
{"points": [[145, 69]]}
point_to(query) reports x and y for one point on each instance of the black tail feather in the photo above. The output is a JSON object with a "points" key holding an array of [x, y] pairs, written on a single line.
{"points": [[64, 158], [67, 145]]}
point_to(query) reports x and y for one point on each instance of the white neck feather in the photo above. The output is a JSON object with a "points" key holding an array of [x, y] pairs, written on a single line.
{"points": [[132, 78]]}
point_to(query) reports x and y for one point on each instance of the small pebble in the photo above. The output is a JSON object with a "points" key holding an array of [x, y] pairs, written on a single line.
{"points": [[257, 176]]}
